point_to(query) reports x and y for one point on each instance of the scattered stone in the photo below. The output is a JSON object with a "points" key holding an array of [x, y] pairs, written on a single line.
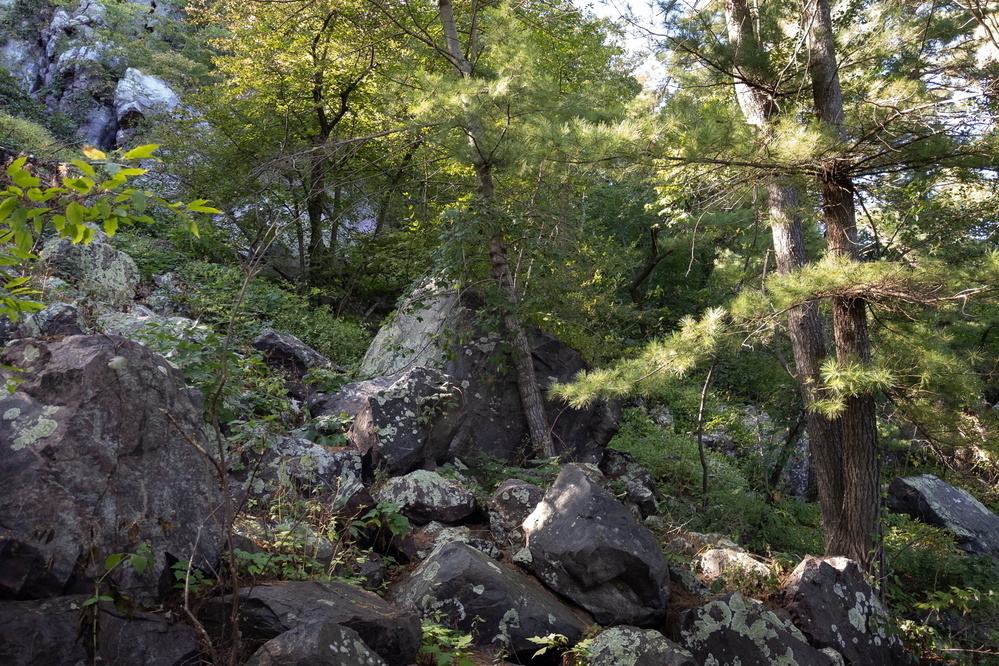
{"points": [[408, 423], [631, 646], [588, 547], [100, 443], [640, 488], [509, 506], [425, 496], [267, 611], [831, 602], [734, 630], [316, 643], [463, 588], [937, 503], [285, 353]]}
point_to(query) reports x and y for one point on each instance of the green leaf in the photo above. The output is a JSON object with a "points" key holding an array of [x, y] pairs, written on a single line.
{"points": [[75, 213], [113, 560], [139, 563], [6, 206], [94, 153], [84, 168], [16, 165], [141, 152], [111, 226], [24, 178], [125, 173]]}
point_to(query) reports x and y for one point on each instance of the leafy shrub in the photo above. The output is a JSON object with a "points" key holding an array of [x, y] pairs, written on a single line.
{"points": [[26, 136]]}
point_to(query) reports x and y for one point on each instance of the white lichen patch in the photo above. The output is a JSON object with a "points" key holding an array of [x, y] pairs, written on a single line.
{"points": [[31, 353], [11, 414], [478, 589], [28, 434]]}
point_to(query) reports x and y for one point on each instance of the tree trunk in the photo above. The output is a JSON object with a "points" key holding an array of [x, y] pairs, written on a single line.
{"points": [[854, 535], [527, 382], [803, 323]]}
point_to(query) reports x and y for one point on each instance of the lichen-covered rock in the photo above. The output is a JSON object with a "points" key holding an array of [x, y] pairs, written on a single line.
{"points": [[293, 358], [424, 496], [99, 445], [734, 630], [509, 506], [631, 646], [729, 564], [350, 398], [138, 96], [298, 465], [830, 600], [140, 324], [409, 422], [55, 319], [435, 534], [936, 502], [588, 547], [623, 469], [267, 611], [313, 644], [465, 589], [103, 273], [55, 632]]}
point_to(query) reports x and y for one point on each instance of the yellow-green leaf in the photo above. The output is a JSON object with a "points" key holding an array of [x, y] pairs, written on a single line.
{"points": [[111, 226], [84, 168], [75, 213], [94, 153], [141, 152]]}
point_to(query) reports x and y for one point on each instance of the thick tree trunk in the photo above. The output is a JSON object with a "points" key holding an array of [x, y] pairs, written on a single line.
{"points": [[854, 535], [527, 382], [803, 323]]}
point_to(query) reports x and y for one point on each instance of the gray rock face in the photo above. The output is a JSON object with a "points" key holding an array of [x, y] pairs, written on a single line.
{"points": [[350, 398], [298, 465], [833, 605], [49, 633], [631, 646], [424, 496], [139, 96], [98, 459], [638, 483], [101, 272], [730, 564], [407, 423], [441, 535], [493, 420], [734, 630], [267, 611], [314, 644], [588, 547], [500, 607], [509, 506], [935, 502], [292, 357], [55, 319]]}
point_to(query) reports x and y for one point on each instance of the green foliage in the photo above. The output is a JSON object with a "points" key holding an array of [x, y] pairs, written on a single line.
{"points": [[214, 289], [140, 561], [443, 646], [189, 578]]}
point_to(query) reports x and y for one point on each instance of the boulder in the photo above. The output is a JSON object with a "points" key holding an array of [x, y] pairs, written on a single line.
{"points": [[55, 319], [492, 418], [408, 423], [350, 398], [937, 503], [462, 588], [102, 273], [58, 631], [631, 646], [138, 96], [314, 644], [587, 546], [285, 353], [100, 447], [433, 535], [734, 630], [423, 496], [509, 506], [267, 611], [142, 324], [640, 488], [832, 604], [296, 464], [728, 564]]}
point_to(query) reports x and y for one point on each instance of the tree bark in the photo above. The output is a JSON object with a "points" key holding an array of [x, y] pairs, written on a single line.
{"points": [[804, 325], [854, 535], [531, 399]]}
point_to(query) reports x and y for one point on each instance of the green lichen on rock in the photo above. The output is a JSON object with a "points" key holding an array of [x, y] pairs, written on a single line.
{"points": [[29, 434]]}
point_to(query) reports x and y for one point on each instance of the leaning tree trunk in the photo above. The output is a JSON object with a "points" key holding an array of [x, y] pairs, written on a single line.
{"points": [[803, 322], [527, 382], [854, 536]]}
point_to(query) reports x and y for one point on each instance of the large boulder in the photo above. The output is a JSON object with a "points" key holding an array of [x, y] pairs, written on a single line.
{"points": [[734, 630], [936, 502], [102, 273], [587, 546], [313, 644], [267, 611], [408, 423], [509, 506], [423, 496], [350, 398], [298, 465], [138, 96], [60, 631], [465, 589], [291, 357], [832, 604], [100, 448], [54, 319], [631, 646]]}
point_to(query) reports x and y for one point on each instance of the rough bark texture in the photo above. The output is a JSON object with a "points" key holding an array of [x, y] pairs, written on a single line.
{"points": [[853, 534], [803, 323]]}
